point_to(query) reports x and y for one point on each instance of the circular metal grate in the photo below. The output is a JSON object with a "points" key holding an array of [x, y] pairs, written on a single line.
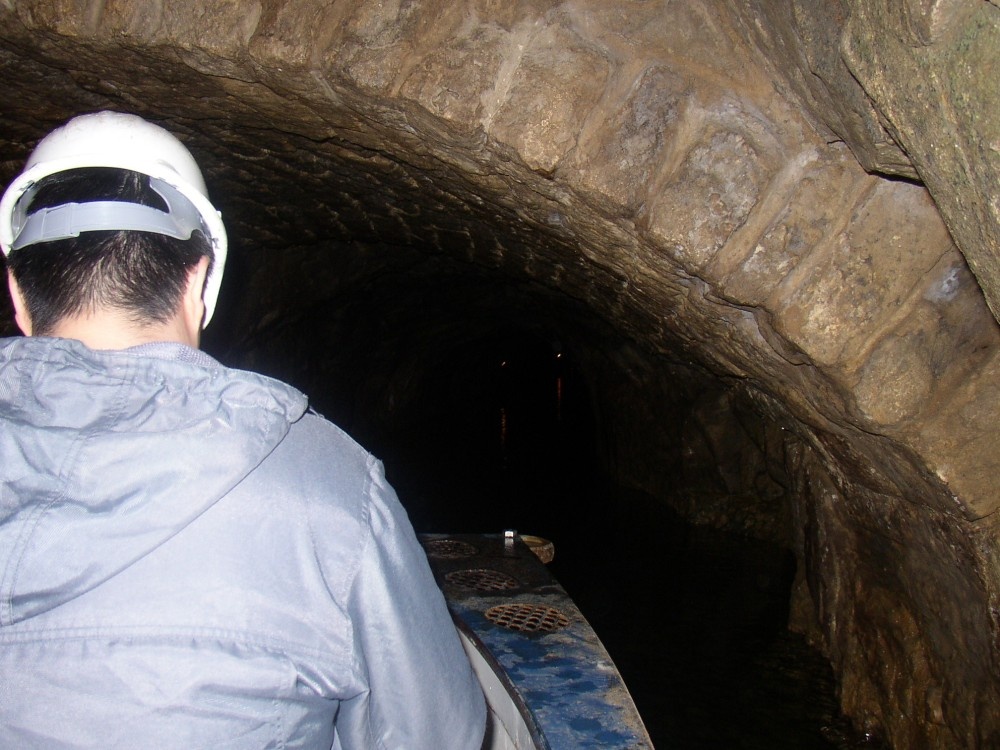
{"points": [[527, 618], [448, 549], [483, 579]]}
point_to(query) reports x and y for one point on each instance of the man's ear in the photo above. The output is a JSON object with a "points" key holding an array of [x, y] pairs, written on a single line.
{"points": [[192, 305], [21, 316]]}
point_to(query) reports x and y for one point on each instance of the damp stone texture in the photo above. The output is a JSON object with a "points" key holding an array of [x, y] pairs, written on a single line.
{"points": [[794, 202]]}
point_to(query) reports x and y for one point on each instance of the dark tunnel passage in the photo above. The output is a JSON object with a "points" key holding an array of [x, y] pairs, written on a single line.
{"points": [[494, 436], [498, 403], [474, 393]]}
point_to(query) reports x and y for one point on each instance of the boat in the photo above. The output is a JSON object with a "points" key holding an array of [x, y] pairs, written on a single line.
{"points": [[549, 682]]}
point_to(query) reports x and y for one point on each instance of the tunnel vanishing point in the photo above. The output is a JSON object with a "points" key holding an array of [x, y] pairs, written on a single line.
{"points": [[768, 231]]}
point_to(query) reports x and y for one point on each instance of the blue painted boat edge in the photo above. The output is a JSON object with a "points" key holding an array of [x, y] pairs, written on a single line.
{"points": [[561, 676], [512, 725]]}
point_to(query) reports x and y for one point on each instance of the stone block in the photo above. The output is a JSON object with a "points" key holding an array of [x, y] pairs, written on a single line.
{"points": [[709, 196], [376, 42], [297, 32], [861, 281], [223, 27], [69, 17], [618, 162], [945, 339], [129, 18], [452, 79], [555, 82], [961, 444], [823, 194], [966, 333], [895, 380]]}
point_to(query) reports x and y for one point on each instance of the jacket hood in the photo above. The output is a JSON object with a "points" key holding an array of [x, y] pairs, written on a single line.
{"points": [[107, 455]]}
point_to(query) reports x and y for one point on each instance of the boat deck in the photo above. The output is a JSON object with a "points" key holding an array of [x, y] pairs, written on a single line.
{"points": [[549, 681]]}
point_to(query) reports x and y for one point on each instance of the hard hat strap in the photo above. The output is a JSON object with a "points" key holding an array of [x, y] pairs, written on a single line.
{"points": [[70, 219]]}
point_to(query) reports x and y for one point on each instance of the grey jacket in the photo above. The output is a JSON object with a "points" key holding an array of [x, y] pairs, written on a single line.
{"points": [[190, 559]]}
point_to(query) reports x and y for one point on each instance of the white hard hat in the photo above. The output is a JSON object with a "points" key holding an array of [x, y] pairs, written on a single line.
{"points": [[120, 141]]}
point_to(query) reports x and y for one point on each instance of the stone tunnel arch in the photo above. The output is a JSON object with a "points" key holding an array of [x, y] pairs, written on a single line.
{"points": [[640, 165]]}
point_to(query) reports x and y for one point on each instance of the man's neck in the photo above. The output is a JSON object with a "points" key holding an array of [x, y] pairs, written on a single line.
{"points": [[111, 329]]}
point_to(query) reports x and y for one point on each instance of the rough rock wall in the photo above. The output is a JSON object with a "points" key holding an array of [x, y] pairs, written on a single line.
{"points": [[910, 85], [639, 159]]}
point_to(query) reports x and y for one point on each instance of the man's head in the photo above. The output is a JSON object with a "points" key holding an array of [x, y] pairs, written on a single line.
{"points": [[110, 214]]}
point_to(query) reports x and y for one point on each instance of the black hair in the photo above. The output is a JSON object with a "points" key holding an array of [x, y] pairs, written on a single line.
{"points": [[141, 273]]}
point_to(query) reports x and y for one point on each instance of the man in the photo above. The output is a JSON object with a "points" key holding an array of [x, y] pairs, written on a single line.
{"points": [[188, 557]]}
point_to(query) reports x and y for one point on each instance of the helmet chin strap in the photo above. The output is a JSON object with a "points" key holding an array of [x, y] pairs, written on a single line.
{"points": [[71, 219]]}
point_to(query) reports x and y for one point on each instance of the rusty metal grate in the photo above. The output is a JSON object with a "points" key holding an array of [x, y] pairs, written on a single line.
{"points": [[449, 549], [483, 579], [527, 618]]}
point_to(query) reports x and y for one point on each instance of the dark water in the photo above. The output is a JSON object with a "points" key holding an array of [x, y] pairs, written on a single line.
{"points": [[694, 618]]}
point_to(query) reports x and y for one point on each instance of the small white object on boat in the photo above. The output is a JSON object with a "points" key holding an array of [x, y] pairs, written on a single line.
{"points": [[548, 680]]}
